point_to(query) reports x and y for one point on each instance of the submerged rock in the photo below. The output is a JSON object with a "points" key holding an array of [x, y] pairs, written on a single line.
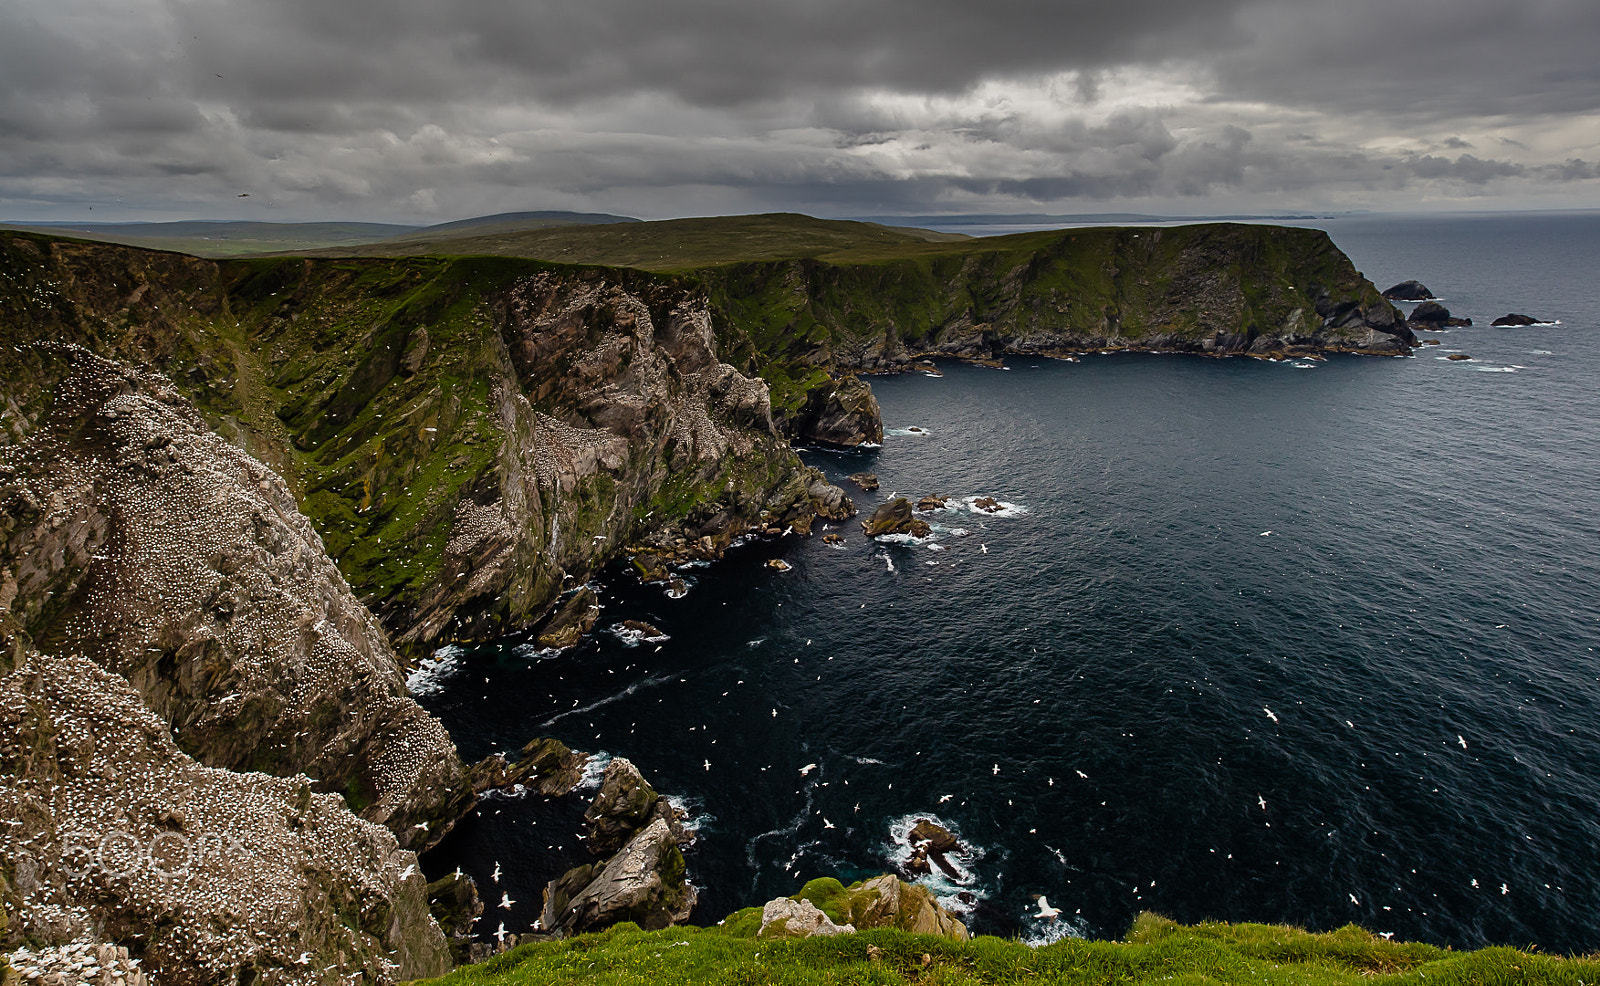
{"points": [[895, 517], [1458, 357], [785, 917], [1409, 291]]}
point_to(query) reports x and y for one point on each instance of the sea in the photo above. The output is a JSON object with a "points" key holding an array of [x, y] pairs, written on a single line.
{"points": [[1310, 642]]}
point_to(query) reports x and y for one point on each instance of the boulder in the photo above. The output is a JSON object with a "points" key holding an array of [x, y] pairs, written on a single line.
{"points": [[1430, 311], [575, 618], [888, 902], [1458, 357], [865, 480], [833, 538], [643, 883], [778, 565], [932, 503], [1431, 316], [1409, 291], [785, 917], [930, 842], [988, 505], [1515, 319], [624, 804], [895, 517]]}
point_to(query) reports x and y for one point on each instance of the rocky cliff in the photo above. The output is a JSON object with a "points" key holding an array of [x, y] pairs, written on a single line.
{"points": [[1221, 289], [514, 425]]}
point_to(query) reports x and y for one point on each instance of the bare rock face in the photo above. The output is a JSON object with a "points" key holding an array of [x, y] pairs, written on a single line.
{"points": [[785, 917], [214, 876], [138, 538], [644, 883]]}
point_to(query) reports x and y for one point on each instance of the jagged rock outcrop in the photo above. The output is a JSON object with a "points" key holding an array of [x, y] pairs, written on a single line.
{"points": [[624, 804], [643, 883], [895, 517], [212, 876], [785, 917], [1409, 291], [865, 480], [137, 537], [842, 414]]}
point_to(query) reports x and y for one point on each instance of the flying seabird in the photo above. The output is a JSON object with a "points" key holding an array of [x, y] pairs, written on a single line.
{"points": [[1046, 911]]}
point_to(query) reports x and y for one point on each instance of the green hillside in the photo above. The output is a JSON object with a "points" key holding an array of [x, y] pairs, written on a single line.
{"points": [[668, 245]]}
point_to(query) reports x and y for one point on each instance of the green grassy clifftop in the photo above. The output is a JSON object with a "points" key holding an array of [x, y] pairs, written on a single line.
{"points": [[1155, 950]]}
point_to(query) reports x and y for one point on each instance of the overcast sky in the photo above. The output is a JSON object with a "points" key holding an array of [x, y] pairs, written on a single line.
{"points": [[430, 110]]}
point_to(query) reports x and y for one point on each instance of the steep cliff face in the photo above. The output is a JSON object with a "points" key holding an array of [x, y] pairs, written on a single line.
{"points": [[1217, 288], [468, 437], [136, 537], [210, 876]]}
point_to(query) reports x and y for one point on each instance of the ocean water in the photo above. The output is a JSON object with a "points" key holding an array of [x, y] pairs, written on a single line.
{"points": [[1308, 642]]}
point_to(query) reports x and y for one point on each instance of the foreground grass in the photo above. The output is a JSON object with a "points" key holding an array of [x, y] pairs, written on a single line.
{"points": [[1156, 951]]}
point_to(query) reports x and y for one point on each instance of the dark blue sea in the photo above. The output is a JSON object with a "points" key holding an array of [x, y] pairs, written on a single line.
{"points": [[1307, 642]]}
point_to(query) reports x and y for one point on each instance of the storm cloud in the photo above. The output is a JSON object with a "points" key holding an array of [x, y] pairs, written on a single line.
{"points": [[413, 110]]}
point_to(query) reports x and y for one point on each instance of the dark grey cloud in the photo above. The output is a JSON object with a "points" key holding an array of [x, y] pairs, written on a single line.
{"points": [[416, 109]]}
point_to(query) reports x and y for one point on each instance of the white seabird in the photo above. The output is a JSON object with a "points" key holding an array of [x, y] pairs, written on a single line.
{"points": [[1046, 911]]}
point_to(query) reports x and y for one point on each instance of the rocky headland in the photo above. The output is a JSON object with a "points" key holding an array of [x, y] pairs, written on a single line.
{"points": [[238, 498]]}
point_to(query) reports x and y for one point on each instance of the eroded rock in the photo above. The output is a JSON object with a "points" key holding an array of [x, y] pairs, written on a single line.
{"points": [[895, 517]]}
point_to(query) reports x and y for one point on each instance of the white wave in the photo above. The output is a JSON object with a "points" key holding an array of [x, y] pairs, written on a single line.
{"points": [[870, 445], [435, 671], [531, 651], [937, 547], [1037, 931], [756, 642], [935, 375], [617, 697], [840, 546], [1540, 352], [1007, 509], [1493, 369], [914, 431], [1303, 365], [594, 771], [513, 793], [956, 532], [693, 813], [673, 592], [960, 893], [630, 637], [901, 539], [865, 760]]}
